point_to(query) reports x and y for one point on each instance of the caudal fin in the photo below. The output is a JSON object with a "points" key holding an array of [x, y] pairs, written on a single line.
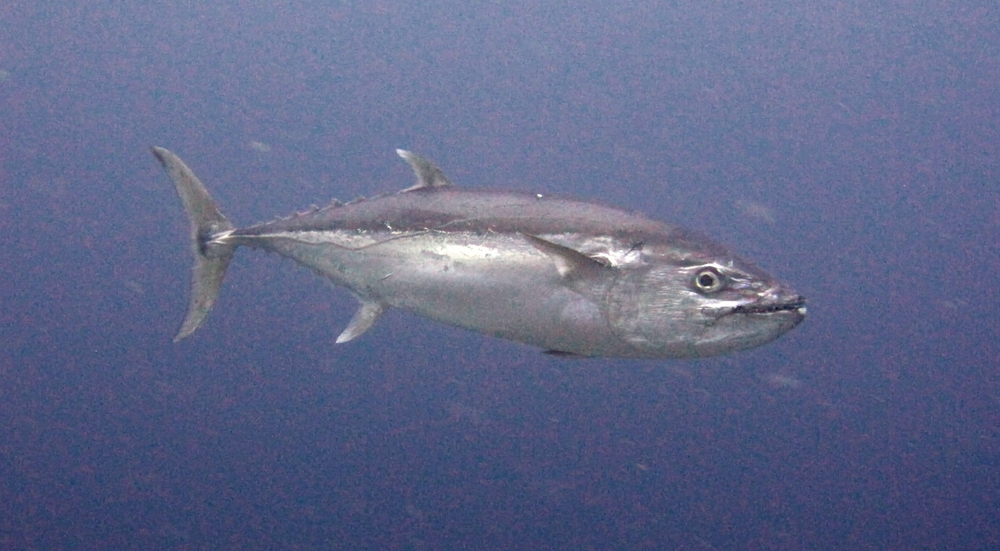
{"points": [[211, 258]]}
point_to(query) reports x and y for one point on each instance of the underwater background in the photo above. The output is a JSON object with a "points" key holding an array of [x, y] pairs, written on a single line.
{"points": [[850, 148]]}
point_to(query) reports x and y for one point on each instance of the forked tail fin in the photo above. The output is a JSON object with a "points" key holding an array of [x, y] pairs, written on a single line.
{"points": [[211, 257]]}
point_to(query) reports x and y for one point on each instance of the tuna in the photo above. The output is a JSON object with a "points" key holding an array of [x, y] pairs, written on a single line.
{"points": [[574, 278]]}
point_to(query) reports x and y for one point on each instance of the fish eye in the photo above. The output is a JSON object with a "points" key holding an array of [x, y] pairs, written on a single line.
{"points": [[708, 280]]}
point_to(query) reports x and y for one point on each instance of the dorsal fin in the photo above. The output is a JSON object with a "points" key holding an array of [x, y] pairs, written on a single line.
{"points": [[428, 175]]}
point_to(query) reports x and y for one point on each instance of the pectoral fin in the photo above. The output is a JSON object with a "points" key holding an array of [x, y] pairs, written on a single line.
{"points": [[570, 263], [366, 316]]}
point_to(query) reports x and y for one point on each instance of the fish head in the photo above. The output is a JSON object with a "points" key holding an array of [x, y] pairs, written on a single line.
{"points": [[693, 299]]}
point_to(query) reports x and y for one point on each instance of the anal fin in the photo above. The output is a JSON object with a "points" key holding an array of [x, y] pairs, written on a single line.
{"points": [[565, 355], [363, 320]]}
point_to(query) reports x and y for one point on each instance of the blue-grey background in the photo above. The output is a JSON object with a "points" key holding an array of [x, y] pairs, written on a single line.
{"points": [[850, 147]]}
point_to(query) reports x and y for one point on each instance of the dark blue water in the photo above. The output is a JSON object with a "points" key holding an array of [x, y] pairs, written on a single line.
{"points": [[851, 149]]}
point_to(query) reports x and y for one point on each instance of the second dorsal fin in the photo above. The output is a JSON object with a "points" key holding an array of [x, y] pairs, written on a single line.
{"points": [[428, 174]]}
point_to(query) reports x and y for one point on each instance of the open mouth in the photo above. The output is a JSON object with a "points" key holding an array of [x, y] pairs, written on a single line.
{"points": [[798, 304]]}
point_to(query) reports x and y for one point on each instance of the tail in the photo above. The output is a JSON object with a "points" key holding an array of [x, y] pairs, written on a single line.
{"points": [[211, 258]]}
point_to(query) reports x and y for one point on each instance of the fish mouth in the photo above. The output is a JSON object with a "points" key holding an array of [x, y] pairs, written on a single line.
{"points": [[795, 304]]}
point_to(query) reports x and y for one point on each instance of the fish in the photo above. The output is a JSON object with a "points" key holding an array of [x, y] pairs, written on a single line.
{"points": [[573, 278]]}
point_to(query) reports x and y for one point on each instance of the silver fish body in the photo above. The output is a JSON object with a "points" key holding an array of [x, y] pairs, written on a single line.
{"points": [[574, 278]]}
